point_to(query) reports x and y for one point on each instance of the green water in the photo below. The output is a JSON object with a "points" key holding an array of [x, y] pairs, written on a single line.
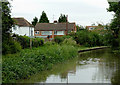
{"points": [[100, 66]]}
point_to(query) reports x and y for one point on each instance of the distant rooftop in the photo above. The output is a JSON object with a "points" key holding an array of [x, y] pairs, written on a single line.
{"points": [[54, 26], [22, 22]]}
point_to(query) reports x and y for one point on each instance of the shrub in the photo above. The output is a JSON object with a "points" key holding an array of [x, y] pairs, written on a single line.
{"points": [[24, 41], [50, 43], [15, 47], [36, 42], [10, 47], [59, 39], [66, 37], [69, 41], [88, 39]]}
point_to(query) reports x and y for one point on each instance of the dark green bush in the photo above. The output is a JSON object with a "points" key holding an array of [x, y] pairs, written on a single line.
{"points": [[88, 39], [24, 41], [36, 42], [59, 39], [10, 46]]}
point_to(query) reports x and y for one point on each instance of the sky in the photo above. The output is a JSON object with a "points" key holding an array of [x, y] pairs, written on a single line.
{"points": [[82, 12]]}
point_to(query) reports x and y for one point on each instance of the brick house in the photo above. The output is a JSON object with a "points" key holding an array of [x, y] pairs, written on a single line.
{"points": [[53, 29]]}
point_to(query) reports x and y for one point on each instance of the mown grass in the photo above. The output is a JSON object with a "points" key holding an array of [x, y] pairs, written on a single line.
{"points": [[31, 61]]}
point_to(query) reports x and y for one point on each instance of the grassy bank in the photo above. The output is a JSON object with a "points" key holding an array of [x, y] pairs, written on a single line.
{"points": [[31, 61]]}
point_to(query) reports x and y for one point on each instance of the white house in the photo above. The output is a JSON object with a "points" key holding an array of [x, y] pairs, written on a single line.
{"points": [[22, 27]]}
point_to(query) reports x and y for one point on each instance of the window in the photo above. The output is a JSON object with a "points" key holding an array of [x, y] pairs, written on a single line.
{"points": [[46, 32], [37, 32], [91, 28], [59, 33]]}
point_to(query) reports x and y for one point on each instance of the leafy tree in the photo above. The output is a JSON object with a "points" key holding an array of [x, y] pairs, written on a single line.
{"points": [[115, 24], [62, 18], [43, 18], [7, 21], [35, 20], [8, 44]]}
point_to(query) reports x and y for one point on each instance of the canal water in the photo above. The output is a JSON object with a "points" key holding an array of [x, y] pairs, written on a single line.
{"points": [[98, 66]]}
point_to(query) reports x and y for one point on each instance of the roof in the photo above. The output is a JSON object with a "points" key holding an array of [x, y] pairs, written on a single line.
{"points": [[53, 26], [91, 26], [87, 27], [22, 22]]}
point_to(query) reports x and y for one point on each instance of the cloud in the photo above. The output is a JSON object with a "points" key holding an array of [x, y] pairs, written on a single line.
{"points": [[85, 11]]}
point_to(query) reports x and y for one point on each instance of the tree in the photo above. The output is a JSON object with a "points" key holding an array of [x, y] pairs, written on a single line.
{"points": [[62, 18], [115, 24], [35, 20], [43, 18], [7, 21], [8, 44]]}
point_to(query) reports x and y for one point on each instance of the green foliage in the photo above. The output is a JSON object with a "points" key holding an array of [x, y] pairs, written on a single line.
{"points": [[87, 38], [34, 22], [60, 39], [69, 41], [36, 42], [30, 61], [62, 18], [43, 18], [7, 21], [115, 24], [11, 46], [25, 41]]}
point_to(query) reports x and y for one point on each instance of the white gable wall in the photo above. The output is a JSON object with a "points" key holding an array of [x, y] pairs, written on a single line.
{"points": [[28, 31]]}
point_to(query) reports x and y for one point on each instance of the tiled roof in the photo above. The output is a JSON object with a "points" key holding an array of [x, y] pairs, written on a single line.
{"points": [[22, 22], [53, 26]]}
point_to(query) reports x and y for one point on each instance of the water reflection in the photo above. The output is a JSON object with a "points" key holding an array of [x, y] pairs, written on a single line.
{"points": [[91, 67]]}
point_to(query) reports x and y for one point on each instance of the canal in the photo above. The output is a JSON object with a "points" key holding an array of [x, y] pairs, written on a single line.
{"points": [[99, 66]]}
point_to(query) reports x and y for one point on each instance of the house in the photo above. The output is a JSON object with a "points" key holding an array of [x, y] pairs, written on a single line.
{"points": [[54, 29], [99, 27], [22, 27], [91, 27]]}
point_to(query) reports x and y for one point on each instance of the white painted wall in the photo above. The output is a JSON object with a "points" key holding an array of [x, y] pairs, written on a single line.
{"points": [[28, 31]]}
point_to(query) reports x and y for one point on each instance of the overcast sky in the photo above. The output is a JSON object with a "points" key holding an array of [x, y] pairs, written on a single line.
{"points": [[82, 12]]}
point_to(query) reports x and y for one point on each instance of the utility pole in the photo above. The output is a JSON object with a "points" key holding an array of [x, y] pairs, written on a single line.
{"points": [[30, 38], [66, 24]]}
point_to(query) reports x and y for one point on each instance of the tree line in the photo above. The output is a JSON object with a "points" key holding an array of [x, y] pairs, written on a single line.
{"points": [[44, 19]]}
